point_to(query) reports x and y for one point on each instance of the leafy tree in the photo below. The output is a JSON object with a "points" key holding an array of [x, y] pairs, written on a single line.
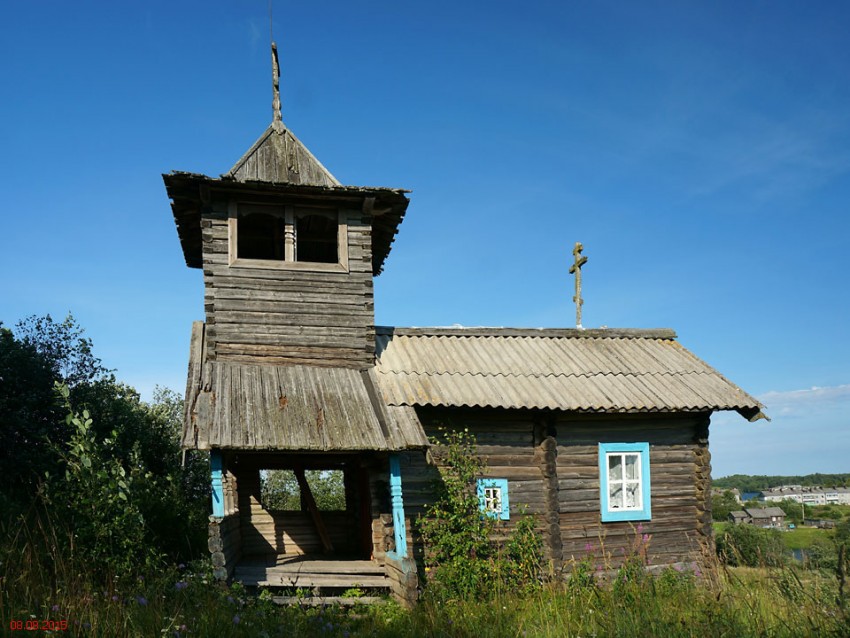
{"points": [[142, 438], [98, 499], [793, 510], [29, 414], [280, 490], [38, 353], [722, 504], [63, 347]]}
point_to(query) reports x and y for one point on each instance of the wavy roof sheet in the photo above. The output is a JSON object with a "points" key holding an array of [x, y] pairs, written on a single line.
{"points": [[576, 370]]}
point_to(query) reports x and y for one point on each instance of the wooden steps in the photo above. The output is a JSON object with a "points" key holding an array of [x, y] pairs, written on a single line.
{"points": [[311, 573], [327, 601]]}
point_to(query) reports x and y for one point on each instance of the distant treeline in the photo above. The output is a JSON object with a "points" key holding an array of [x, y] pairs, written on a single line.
{"points": [[758, 482]]}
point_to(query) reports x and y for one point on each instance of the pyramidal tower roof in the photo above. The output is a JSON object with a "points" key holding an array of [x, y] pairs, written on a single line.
{"points": [[278, 156]]}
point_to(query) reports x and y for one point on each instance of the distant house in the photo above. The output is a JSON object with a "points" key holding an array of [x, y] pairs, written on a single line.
{"points": [[738, 517], [810, 495], [767, 517]]}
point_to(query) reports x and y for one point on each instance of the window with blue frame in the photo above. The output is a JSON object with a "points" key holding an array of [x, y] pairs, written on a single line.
{"points": [[493, 498], [624, 482]]}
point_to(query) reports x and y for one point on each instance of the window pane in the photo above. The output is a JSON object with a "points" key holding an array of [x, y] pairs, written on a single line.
{"points": [[615, 467], [493, 499], [632, 466], [316, 239], [260, 236], [615, 496], [633, 495]]}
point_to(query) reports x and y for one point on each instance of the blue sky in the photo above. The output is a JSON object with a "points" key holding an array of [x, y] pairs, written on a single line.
{"points": [[700, 151]]}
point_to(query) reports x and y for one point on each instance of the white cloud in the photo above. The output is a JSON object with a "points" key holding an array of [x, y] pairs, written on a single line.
{"points": [[788, 400]]}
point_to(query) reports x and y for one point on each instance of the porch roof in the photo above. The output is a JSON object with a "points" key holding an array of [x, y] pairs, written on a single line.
{"points": [[235, 405]]}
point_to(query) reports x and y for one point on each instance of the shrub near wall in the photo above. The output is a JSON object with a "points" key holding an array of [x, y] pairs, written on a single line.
{"points": [[462, 562]]}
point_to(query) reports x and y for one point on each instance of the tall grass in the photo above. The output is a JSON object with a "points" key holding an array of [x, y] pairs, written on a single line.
{"points": [[41, 579]]}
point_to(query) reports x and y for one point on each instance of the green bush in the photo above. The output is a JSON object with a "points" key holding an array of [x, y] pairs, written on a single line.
{"points": [[461, 560], [746, 545]]}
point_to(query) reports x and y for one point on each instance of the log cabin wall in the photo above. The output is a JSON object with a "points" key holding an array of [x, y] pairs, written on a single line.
{"points": [[265, 532], [551, 462], [680, 467], [510, 444], [279, 316]]}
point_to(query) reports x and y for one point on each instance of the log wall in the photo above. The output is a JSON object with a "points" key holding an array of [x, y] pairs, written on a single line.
{"points": [[507, 441], [680, 469], [267, 532], [403, 578], [551, 463], [278, 316], [225, 544]]}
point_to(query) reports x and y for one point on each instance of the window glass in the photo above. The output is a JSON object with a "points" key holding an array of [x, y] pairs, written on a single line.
{"points": [[624, 481], [261, 236], [316, 239], [493, 498]]}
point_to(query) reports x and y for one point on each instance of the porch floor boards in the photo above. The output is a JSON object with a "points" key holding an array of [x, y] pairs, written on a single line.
{"points": [[310, 572]]}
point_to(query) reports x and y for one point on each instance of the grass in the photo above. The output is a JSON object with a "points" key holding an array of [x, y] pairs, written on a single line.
{"points": [[803, 537], [743, 602], [40, 583]]}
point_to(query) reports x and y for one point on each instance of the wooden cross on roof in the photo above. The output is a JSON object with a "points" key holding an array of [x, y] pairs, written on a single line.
{"points": [[575, 269]]}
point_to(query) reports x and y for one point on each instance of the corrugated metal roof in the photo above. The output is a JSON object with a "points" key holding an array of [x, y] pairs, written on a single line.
{"points": [[260, 407], [575, 370]]}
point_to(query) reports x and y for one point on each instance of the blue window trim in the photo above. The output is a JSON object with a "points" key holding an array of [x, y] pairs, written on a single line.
{"points": [[484, 483], [608, 515]]}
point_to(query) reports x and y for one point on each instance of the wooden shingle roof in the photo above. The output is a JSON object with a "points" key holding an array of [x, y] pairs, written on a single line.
{"points": [[310, 408], [280, 157]]}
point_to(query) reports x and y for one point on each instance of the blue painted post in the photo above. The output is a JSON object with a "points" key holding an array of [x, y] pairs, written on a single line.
{"points": [[216, 465], [399, 528]]}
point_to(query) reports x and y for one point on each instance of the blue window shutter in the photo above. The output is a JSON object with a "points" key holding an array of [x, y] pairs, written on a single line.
{"points": [[609, 515], [217, 466], [502, 485]]}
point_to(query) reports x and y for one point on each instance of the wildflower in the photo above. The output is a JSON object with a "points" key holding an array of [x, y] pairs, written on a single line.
{"points": [[640, 528], [231, 599], [114, 598], [181, 566], [588, 547], [142, 600], [646, 538], [86, 625], [181, 585], [236, 619], [677, 567], [54, 608]]}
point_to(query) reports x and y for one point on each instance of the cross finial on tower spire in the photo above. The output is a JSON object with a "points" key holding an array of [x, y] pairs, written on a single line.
{"points": [[575, 269], [277, 119]]}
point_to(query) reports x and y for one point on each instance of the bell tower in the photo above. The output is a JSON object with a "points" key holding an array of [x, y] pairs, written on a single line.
{"points": [[288, 253]]}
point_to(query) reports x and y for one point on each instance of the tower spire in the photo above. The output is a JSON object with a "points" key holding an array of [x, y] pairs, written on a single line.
{"points": [[277, 119]]}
